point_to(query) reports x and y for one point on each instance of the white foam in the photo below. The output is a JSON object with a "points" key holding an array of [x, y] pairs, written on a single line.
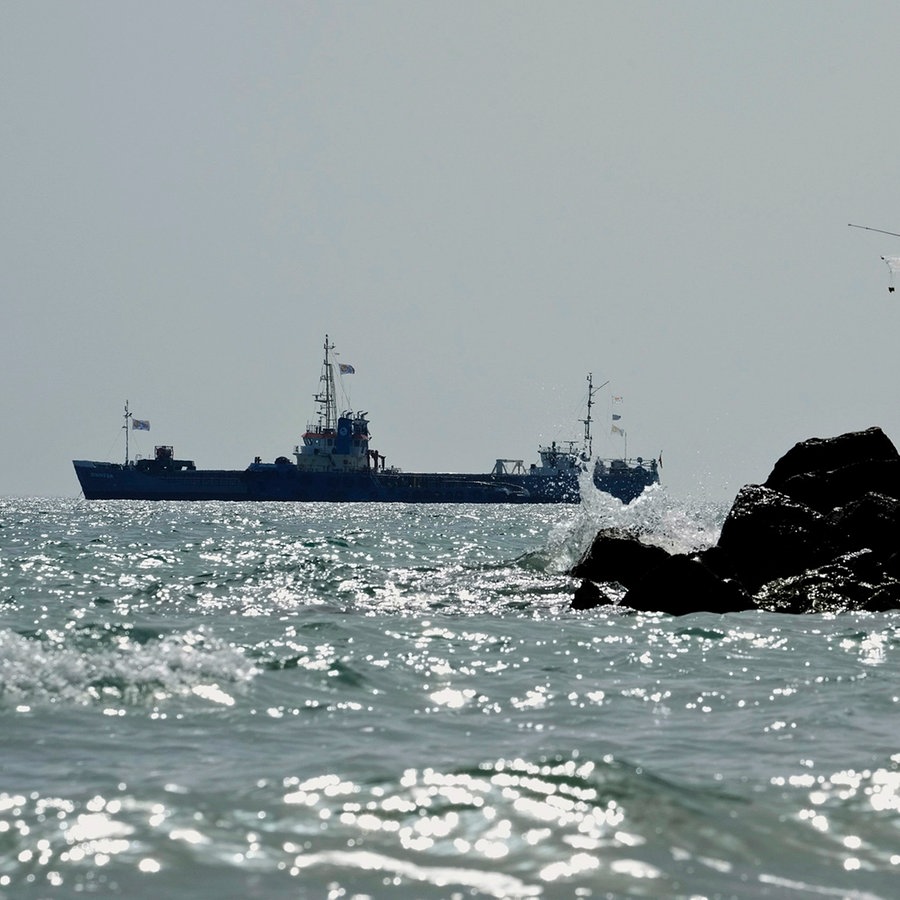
{"points": [[124, 671]]}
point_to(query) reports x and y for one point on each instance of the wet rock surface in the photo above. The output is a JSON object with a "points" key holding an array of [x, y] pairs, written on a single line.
{"points": [[822, 534]]}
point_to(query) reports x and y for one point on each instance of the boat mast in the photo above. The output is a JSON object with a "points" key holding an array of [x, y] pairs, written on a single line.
{"points": [[125, 426], [326, 399], [588, 448]]}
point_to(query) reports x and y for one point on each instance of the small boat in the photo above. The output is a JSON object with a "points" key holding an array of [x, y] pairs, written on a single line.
{"points": [[334, 463]]}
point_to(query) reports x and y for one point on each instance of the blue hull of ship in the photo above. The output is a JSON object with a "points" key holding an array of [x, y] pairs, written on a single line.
{"points": [[264, 482]]}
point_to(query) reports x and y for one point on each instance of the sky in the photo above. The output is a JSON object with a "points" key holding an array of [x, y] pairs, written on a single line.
{"points": [[479, 202]]}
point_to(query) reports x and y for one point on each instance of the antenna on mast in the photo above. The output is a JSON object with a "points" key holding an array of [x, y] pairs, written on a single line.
{"points": [[125, 426], [879, 230], [588, 449], [327, 400]]}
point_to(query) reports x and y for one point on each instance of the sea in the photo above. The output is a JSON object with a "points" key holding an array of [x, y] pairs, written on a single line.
{"points": [[250, 700]]}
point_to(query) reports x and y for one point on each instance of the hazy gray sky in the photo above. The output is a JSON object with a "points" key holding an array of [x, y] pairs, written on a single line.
{"points": [[480, 202]]}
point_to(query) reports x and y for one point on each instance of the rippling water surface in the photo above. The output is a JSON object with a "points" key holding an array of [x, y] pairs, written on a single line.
{"points": [[311, 700]]}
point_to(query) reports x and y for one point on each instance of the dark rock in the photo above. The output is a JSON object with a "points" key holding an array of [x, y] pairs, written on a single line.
{"points": [[892, 565], [589, 595], [825, 473], [683, 584], [720, 563], [885, 597], [827, 454], [767, 535], [827, 490], [852, 582], [618, 556], [821, 535], [872, 521]]}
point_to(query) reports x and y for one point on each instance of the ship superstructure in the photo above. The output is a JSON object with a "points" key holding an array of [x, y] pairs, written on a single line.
{"points": [[334, 442]]}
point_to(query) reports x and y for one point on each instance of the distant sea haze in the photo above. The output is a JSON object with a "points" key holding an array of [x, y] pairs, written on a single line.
{"points": [[213, 700]]}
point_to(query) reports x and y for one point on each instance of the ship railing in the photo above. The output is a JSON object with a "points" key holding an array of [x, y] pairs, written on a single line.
{"points": [[636, 462]]}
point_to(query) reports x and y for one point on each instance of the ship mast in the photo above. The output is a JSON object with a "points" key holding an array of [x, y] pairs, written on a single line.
{"points": [[326, 398], [125, 426], [587, 450]]}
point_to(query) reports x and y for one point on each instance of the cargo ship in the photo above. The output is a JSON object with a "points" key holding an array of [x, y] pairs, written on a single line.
{"points": [[334, 463]]}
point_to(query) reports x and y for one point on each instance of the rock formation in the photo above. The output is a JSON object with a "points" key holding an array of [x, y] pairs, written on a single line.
{"points": [[822, 534]]}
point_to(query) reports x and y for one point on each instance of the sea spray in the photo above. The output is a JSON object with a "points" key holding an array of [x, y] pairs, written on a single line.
{"points": [[679, 525]]}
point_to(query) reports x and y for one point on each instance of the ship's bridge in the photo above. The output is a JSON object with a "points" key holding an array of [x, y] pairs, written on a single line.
{"points": [[344, 448], [557, 458]]}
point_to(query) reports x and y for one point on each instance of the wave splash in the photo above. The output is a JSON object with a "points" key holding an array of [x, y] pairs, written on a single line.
{"points": [[677, 525], [124, 667]]}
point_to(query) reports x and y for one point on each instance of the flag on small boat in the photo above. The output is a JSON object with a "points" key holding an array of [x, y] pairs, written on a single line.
{"points": [[140, 424], [346, 369]]}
